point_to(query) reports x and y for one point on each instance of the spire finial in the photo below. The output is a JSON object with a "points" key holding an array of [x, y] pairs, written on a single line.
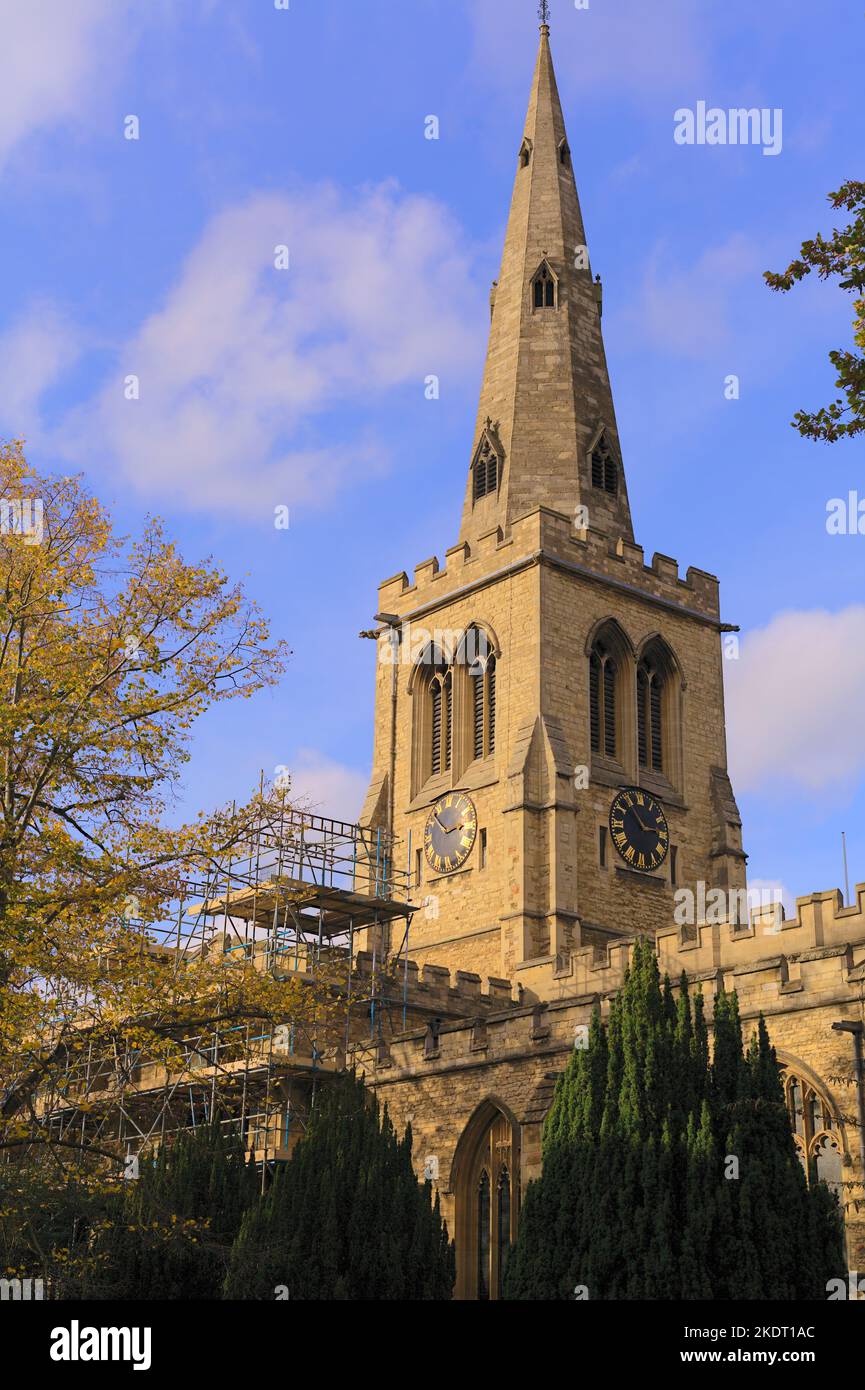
{"points": [[544, 13]]}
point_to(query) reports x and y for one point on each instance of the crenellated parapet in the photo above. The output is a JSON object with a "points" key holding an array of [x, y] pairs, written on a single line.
{"points": [[822, 928], [782, 980], [544, 536], [435, 986]]}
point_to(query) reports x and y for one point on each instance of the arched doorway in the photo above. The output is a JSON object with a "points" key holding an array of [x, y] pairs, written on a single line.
{"points": [[486, 1184]]}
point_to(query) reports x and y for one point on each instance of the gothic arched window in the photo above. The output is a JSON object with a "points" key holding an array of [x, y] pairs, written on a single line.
{"points": [[816, 1139], [483, 1237], [504, 1222], [476, 671], [603, 674], [432, 735], [544, 288], [441, 729], [486, 1172], [659, 712], [650, 735], [605, 470], [483, 687]]}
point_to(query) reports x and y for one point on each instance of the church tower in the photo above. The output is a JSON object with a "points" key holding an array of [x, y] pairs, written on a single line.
{"points": [[550, 743]]}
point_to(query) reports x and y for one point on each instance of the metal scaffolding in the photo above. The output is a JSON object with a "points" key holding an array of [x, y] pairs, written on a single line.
{"points": [[296, 895]]}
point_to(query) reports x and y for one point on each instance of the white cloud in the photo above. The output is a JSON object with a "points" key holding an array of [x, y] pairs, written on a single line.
{"points": [[57, 57], [243, 356], [327, 787], [794, 703], [34, 353]]}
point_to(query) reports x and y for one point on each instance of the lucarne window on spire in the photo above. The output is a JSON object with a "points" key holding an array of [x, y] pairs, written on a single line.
{"points": [[544, 288], [486, 471], [605, 471]]}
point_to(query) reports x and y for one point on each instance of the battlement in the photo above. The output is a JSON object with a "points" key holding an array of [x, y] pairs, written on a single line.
{"points": [[457, 992], [777, 984], [822, 922], [545, 536]]}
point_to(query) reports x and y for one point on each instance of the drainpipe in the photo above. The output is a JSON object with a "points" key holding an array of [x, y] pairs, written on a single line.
{"points": [[858, 1031], [394, 625]]}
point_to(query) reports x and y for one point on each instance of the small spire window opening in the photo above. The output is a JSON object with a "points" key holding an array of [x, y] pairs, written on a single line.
{"points": [[564, 154], [486, 471], [605, 471], [602, 701], [544, 288], [650, 736]]}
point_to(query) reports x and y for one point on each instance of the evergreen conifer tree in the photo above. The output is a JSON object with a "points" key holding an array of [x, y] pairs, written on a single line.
{"points": [[170, 1231], [346, 1217], [667, 1176]]}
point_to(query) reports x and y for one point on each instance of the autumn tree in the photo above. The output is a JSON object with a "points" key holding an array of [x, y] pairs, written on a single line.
{"points": [[110, 650], [841, 255]]}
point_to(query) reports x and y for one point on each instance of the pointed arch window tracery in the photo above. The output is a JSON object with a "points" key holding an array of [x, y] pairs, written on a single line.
{"points": [[814, 1132], [487, 1203]]}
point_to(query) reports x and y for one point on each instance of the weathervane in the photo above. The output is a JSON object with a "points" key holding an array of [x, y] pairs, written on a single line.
{"points": [[544, 12]]}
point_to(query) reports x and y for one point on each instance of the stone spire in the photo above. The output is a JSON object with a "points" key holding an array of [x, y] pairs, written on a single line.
{"points": [[546, 402]]}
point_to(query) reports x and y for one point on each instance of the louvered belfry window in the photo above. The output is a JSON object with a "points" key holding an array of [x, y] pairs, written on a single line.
{"points": [[436, 727], [605, 472], [602, 701], [483, 679], [478, 712], [650, 737], [486, 478], [441, 715]]}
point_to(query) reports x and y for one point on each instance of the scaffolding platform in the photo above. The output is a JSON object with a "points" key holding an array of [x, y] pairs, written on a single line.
{"points": [[290, 893], [333, 911]]}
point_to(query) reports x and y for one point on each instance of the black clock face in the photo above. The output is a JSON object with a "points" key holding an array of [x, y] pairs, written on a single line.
{"points": [[450, 833], [639, 830]]}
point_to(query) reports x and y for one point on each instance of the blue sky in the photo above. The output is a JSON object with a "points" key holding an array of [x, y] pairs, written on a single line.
{"points": [[305, 387]]}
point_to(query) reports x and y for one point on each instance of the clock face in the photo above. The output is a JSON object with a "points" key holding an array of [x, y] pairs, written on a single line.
{"points": [[639, 830], [450, 833]]}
